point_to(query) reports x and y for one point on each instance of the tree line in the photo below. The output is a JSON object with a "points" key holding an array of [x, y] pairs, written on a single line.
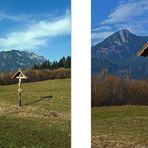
{"points": [[62, 63], [45, 71], [34, 75], [109, 90]]}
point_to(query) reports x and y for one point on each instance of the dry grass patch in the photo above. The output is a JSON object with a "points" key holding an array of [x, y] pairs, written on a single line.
{"points": [[120, 127], [43, 120]]}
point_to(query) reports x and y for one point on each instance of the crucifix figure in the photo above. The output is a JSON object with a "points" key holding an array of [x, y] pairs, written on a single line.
{"points": [[19, 75]]}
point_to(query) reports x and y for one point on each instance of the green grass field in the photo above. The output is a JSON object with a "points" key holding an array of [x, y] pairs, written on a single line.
{"points": [[120, 127], [42, 121]]}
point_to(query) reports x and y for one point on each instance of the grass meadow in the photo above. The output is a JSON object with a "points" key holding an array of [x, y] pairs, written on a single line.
{"points": [[120, 127], [42, 121]]}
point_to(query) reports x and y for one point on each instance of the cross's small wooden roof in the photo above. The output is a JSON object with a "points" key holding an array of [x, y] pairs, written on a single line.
{"points": [[19, 74], [143, 51]]}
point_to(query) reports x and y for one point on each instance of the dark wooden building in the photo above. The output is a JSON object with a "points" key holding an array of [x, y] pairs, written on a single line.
{"points": [[143, 51]]}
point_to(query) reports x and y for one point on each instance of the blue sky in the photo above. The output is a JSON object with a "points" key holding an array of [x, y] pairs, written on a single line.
{"points": [[109, 16], [41, 26]]}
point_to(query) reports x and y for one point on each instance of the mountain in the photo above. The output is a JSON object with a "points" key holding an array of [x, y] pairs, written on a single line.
{"points": [[117, 54], [15, 59]]}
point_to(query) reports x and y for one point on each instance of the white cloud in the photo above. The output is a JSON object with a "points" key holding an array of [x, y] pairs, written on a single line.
{"points": [[127, 11], [136, 27], [99, 36], [36, 34], [99, 33], [19, 18], [27, 17], [101, 28], [129, 14]]}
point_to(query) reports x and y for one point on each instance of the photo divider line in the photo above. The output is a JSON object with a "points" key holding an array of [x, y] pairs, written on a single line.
{"points": [[81, 74]]}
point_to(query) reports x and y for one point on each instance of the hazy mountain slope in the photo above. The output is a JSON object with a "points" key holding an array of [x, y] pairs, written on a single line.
{"points": [[14, 59], [119, 50]]}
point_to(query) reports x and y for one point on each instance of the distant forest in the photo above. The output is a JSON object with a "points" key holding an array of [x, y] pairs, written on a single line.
{"points": [[109, 90], [45, 71], [62, 63]]}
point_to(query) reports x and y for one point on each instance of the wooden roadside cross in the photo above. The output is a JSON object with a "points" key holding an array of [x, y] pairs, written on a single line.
{"points": [[19, 75]]}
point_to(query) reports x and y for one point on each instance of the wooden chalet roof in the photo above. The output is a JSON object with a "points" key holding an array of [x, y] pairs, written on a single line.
{"points": [[143, 51], [19, 74]]}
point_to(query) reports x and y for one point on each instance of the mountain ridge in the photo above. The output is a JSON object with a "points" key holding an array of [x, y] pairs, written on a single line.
{"points": [[14, 59], [120, 50]]}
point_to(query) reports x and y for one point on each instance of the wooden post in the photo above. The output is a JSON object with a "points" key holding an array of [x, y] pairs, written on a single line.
{"points": [[19, 90]]}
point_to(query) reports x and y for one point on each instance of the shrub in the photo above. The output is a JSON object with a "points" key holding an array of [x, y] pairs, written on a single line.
{"points": [[110, 90], [36, 75]]}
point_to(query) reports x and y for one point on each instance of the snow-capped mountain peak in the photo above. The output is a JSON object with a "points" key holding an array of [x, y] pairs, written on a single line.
{"points": [[120, 49], [15, 59]]}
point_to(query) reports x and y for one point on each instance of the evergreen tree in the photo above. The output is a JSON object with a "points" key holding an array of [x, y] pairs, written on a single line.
{"points": [[36, 66], [54, 65], [61, 62], [68, 62], [46, 65]]}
